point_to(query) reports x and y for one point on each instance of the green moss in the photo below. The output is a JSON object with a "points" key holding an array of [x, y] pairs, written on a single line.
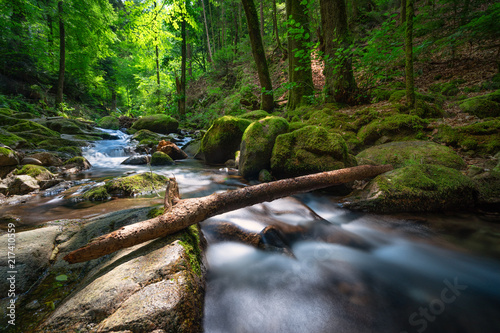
{"points": [[67, 126], [159, 123], [190, 240], [257, 144], [296, 125], [27, 127], [398, 96], [482, 137], [73, 151], [155, 212], [6, 112], [397, 127], [423, 110], [160, 158], [223, 139], [7, 120], [331, 120], [10, 139], [146, 135], [109, 122], [5, 151], [255, 115], [400, 154], [481, 107], [136, 184], [96, 194], [77, 160], [308, 150], [35, 171], [415, 188], [56, 143], [446, 88]]}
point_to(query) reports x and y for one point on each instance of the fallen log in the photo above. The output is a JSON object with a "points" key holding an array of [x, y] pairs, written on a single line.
{"points": [[186, 212]]}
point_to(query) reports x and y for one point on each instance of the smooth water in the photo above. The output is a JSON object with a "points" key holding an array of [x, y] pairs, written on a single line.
{"points": [[327, 269]]}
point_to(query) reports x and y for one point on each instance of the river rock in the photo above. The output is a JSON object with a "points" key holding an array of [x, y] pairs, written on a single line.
{"points": [[159, 158], [398, 127], [158, 285], [47, 159], [31, 160], [415, 188], [21, 184], [7, 157], [137, 160], [411, 152], [257, 145], [310, 149], [222, 139], [159, 123], [78, 162], [171, 150]]}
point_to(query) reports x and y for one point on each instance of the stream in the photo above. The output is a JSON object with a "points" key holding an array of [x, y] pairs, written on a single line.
{"points": [[344, 272]]}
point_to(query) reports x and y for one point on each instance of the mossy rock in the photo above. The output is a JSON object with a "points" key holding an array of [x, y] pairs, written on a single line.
{"points": [[257, 145], [159, 123], [423, 109], [488, 184], [71, 151], [11, 140], [400, 154], [398, 96], [483, 137], [254, 115], [137, 184], [398, 127], [480, 107], [146, 135], [381, 94], [7, 120], [36, 171], [58, 143], [293, 126], [223, 139], [332, 120], [97, 194], [160, 158], [67, 126], [79, 162], [308, 150], [8, 157], [416, 188], [109, 122], [6, 112], [23, 115], [446, 88], [27, 128]]}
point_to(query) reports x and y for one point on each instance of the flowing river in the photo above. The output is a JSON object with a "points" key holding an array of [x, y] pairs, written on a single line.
{"points": [[329, 270]]}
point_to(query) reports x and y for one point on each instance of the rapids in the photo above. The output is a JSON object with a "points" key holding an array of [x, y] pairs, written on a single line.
{"points": [[345, 272]]}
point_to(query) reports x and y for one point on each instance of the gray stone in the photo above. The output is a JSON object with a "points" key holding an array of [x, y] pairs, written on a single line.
{"points": [[8, 158], [137, 160], [22, 184], [31, 160]]}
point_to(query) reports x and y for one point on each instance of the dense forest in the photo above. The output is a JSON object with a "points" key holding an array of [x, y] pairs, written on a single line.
{"points": [[193, 59]]}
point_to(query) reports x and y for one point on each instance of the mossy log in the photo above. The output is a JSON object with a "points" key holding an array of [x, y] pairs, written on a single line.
{"points": [[187, 212]]}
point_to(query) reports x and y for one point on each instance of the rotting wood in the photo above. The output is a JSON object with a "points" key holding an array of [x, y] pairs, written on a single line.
{"points": [[190, 211]]}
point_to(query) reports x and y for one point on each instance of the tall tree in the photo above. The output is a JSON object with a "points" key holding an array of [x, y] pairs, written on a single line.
{"points": [[210, 57], [259, 55], [403, 11], [340, 85], [410, 85], [275, 27], [62, 55], [182, 99], [299, 60]]}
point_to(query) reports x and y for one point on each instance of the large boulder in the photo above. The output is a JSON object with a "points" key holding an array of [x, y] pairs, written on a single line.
{"points": [[109, 122], [7, 157], [223, 138], [10, 139], [159, 123], [136, 184], [68, 126], [160, 158], [310, 149], [416, 188], [47, 159], [171, 149], [146, 137], [257, 145], [137, 160], [156, 286], [411, 152], [22, 184], [480, 107], [398, 127], [36, 171]]}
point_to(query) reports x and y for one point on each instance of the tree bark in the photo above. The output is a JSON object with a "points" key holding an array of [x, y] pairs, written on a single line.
{"points": [[261, 9], [299, 55], [410, 84], [184, 213], [340, 85], [206, 30], [62, 56], [182, 97], [259, 55], [403, 11], [276, 28]]}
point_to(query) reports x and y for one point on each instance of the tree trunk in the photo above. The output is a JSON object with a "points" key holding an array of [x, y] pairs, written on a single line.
{"points": [[184, 213], [189, 55], [340, 85], [410, 85], [299, 55], [403, 11], [259, 55], [113, 99], [262, 19], [206, 30], [182, 101], [275, 27], [62, 56], [237, 12]]}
